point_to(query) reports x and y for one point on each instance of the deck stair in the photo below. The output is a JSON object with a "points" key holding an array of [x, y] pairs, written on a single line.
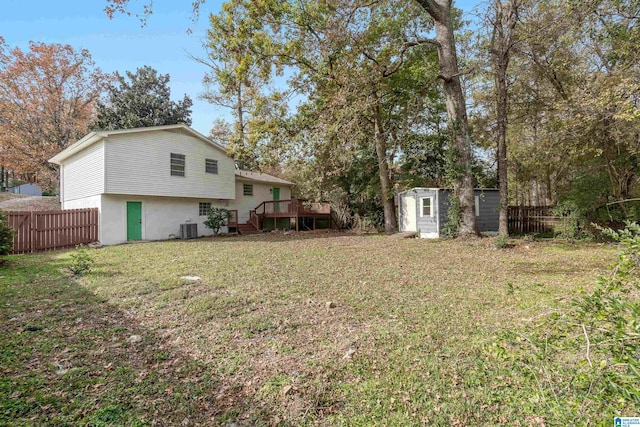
{"points": [[247, 228]]}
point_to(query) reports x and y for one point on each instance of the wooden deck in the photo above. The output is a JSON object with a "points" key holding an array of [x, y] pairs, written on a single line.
{"points": [[302, 212]]}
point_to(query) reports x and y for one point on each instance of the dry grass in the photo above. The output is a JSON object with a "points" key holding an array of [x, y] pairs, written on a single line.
{"points": [[9, 196], [18, 202], [400, 344]]}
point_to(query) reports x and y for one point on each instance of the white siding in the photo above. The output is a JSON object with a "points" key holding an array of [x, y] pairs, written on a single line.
{"points": [[261, 194], [161, 217], [84, 203], [139, 164], [83, 174]]}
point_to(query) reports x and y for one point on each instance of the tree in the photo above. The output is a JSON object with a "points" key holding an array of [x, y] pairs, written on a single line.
{"points": [[441, 12], [141, 99], [237, 80], [6, 235], [216, 219], [503, 19], [47, 101], [574, 104]]}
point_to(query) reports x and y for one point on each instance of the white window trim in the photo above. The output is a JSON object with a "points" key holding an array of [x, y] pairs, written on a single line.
{"points": [[422, 207]]}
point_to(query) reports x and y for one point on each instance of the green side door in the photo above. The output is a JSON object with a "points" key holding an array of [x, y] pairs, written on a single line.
{"points": [[134, 220], [276, 196]]}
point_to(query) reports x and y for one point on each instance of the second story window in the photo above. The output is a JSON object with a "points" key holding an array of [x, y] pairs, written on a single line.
{"points": [[177, 164], [247, 189], [211, 166]]}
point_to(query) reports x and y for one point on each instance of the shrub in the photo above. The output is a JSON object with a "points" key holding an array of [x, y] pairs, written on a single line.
{"points": [[574, 222], [6, 235], [216, 219], [81, 261], [502, 241]]}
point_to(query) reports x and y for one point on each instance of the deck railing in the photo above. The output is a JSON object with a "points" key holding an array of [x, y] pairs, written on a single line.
{"points": [[233, 218], [293, 207], [254, 219]]}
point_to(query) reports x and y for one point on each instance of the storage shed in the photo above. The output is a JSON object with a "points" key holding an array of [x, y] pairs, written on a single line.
{"points": [[424, 210]]}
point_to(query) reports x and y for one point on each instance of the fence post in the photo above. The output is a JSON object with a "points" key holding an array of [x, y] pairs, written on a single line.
{"points": [[32, 232]]}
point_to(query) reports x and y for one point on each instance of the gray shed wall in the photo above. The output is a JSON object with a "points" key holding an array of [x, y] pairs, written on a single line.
{"points": [[443, 207], [489, 209]]}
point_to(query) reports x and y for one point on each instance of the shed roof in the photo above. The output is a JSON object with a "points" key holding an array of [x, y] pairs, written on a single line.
{"points": [[442, 189]]}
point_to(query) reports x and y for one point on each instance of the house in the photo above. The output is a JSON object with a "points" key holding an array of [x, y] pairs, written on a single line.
{"points": [[424, 210], [27, 189], [149, 183]]}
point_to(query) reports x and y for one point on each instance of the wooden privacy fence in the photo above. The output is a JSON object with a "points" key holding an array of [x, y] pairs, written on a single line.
{"points": [[532, 219], [41, 230]]}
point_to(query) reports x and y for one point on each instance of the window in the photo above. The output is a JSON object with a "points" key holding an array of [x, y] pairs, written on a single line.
{"points": [[426, 206], [177, 164], [247, 189], [477, 204], [211, 166], [203, 208]]}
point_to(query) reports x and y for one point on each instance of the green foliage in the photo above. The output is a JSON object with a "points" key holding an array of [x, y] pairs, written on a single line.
{"points": [[502, 241], [141, 99], [81, 261], [573, 225], [216, 219], [6, 235], [450, 228]]}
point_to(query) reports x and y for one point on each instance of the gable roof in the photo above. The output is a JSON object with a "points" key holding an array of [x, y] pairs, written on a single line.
{"points": [[93, 137], [260, 177]]}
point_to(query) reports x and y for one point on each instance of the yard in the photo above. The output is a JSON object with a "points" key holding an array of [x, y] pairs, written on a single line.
{"points": [[285, 330]]}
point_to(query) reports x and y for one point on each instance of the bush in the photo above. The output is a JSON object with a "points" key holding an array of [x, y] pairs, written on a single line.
{"points": [[216, 219], [574, 224], [502, 241], [6, 235], [81, 261]]}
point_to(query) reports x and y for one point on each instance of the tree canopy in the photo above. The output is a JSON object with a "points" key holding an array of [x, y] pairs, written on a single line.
{"points": [[140, 99], [47, 101]]}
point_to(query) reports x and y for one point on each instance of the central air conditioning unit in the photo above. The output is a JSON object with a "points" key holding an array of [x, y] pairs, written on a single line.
{"points": [[188, 231]]}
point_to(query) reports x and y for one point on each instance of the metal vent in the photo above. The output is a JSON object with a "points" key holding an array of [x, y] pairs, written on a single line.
{"points": [[188, 231]]}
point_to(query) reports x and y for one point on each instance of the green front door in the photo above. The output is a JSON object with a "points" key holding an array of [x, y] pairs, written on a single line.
{"points": [[134, 220], [276, 196]]}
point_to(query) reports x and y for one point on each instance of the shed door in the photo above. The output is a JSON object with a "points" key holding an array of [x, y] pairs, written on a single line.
{"points": [[134, 220], [408, 220]]}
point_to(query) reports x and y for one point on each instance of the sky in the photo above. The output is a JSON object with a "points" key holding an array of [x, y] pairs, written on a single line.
{"points": [[122, 44]]}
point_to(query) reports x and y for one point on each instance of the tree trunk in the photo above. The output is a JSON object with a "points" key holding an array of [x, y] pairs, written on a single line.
{"points": [[504, 22], [388, 203], [440, 11], [502, 121]]}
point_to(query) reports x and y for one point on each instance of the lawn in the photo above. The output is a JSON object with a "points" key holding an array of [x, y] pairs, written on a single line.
{"points": [[283, 330]]}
